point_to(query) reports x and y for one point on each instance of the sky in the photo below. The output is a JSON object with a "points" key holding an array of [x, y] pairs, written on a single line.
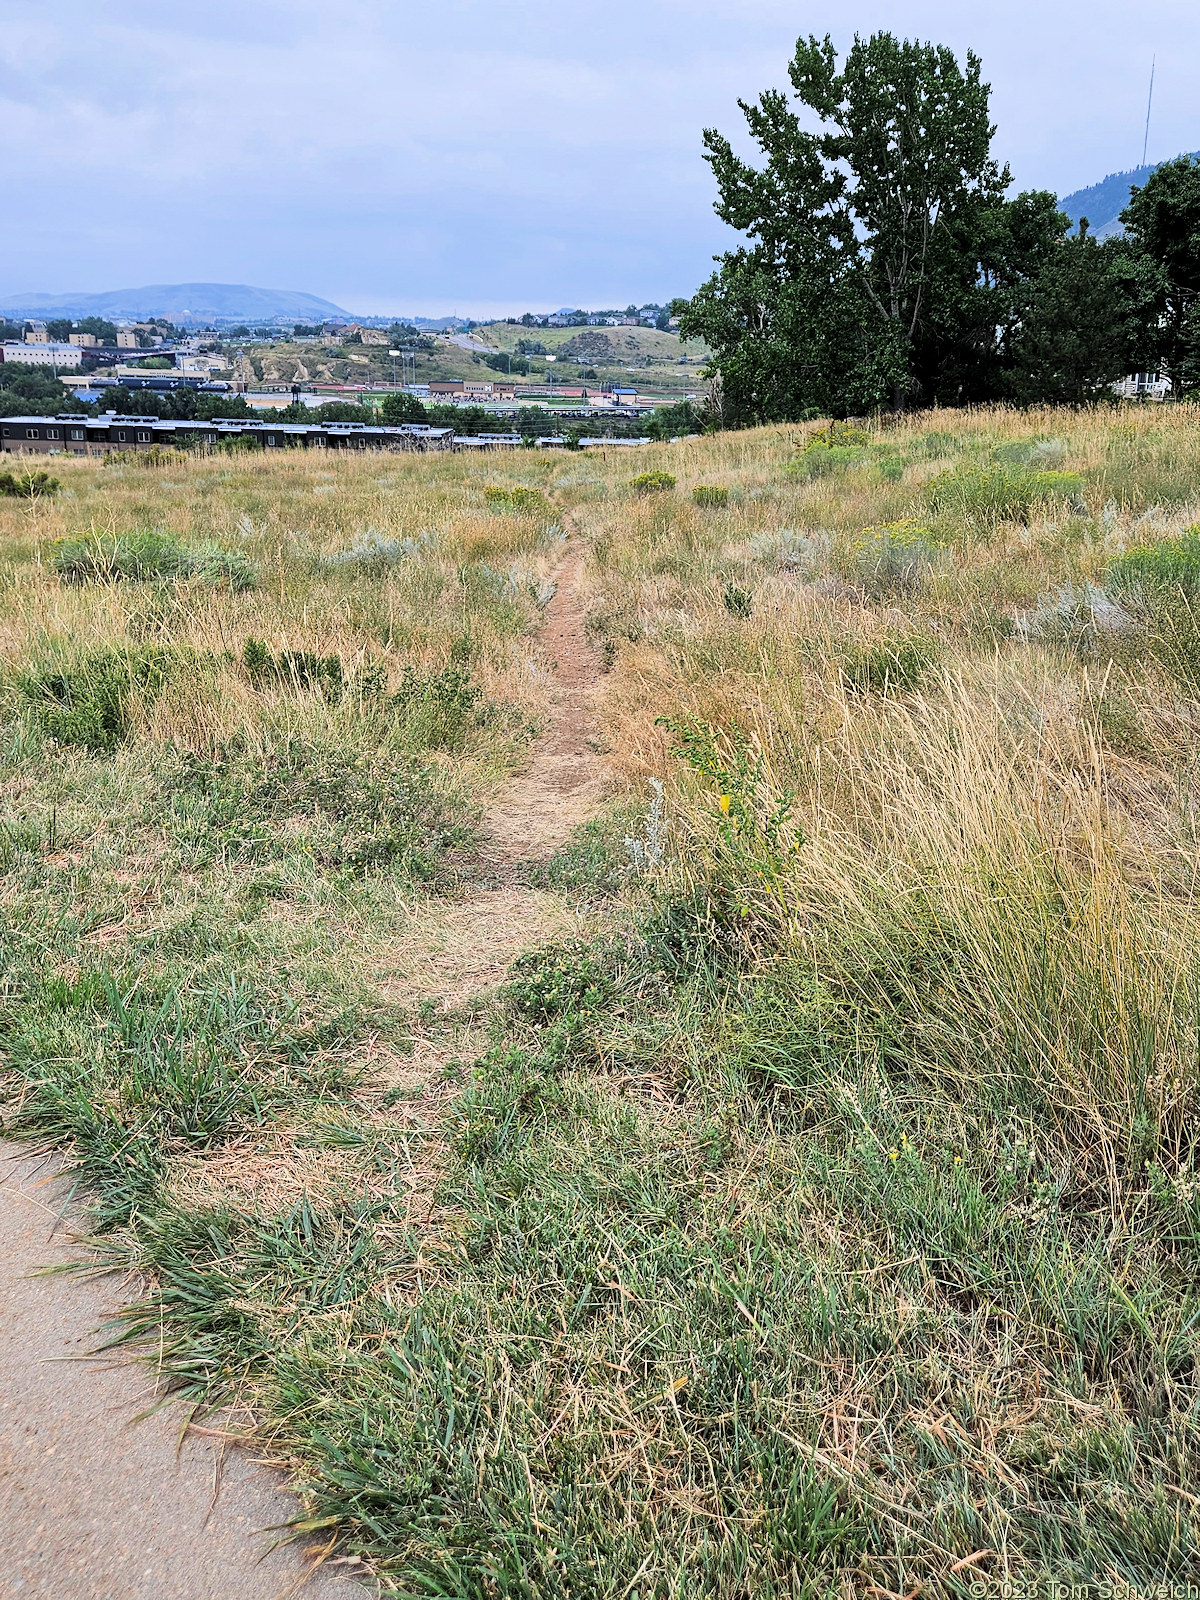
{"points": [[486, 156]]}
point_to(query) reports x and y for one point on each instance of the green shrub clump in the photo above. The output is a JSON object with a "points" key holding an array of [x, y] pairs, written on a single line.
{"points": [[90, 703], [889, 666], [143, 557], [1158, 585], [1001, 493], [738, 602], [438, 709], [28, 485], [525, 502], [707, 494], [894, 555], [1152, 572], [652, 482], [295, 669]]}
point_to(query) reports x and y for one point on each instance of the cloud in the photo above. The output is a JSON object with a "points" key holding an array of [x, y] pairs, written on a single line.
{"points": [[413, 157]]}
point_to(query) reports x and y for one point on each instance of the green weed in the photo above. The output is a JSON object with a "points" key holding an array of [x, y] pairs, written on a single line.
{"points": [[89, 703], [28, 485], [1004, 493], [895, 665], [709, 496]]}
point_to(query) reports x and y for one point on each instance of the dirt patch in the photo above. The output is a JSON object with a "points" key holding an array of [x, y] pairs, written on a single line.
{"points": [[460, 950], [565, 779]]}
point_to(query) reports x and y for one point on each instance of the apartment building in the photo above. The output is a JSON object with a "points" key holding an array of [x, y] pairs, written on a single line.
{"points": [[44, 354], [71, 433]]}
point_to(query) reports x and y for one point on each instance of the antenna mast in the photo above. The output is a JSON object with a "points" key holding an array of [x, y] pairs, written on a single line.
{"points": [[1149, 103]]}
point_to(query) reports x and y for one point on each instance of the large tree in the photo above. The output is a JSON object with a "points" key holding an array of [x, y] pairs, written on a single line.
{"points": [[1085, 319], [1162, 222], [886, 267], [876, 241]]}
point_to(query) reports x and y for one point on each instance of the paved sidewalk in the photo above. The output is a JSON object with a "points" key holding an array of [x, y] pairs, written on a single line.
{"points": [[94, 1506]]}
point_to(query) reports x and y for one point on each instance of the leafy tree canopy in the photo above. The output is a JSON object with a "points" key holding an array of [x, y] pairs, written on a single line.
{"points": [[884, 264], [398, 409], [1162, 220]]}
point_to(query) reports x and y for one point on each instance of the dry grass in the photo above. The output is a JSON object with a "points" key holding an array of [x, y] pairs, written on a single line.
{"points": [[810, 1206]]}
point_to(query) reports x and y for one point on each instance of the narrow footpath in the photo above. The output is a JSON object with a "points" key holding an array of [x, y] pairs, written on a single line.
{"points": [[101, 1502]]}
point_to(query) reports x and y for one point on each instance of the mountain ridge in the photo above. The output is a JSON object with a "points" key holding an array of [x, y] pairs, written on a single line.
{"points": [[181, 302], [1102, 203]]}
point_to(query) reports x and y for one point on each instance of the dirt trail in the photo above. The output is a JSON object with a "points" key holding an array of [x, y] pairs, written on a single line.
{"points": [[565, 777], [455, 951], [95, 1507]]}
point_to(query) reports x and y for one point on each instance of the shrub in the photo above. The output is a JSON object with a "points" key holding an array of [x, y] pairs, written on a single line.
{"points": [[1002, 493], [297, 669], [372, 553], [437, 708], [893, 665], [1041, 454], [652, 482], [28, 485], [822, 460], [89, 704], [1160, 585], [143, 557], [554, 981], [1080, 617], [737, 602], [525, 502], [707, 494], [1152, 571], [839, 435], [894, 555]]}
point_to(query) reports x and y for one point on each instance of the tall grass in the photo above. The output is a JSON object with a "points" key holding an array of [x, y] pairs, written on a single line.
{"points": [[823, 1218]]}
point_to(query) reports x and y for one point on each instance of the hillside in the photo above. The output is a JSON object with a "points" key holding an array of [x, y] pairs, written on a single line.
{"points": [[187, 303], [637, 1035], [643, 358], [1103, 202]]}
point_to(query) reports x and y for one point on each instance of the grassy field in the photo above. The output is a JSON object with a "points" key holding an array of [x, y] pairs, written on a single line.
{"points": [[812, 1206]]}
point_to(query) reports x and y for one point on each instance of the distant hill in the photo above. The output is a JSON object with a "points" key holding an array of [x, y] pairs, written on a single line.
{"points": [[1103, 203], [182, 303]]}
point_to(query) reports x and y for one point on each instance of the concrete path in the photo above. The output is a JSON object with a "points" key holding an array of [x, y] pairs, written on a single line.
{"points": [[95, 1506]]}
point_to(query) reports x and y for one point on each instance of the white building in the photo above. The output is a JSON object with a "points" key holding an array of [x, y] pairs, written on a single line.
{"points": [[44, 355], [1143, 386]]}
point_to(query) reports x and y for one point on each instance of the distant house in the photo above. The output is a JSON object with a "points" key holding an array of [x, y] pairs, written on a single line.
{"points": [[127, 339], [86, 341], [37, 333], [1143, 386], [449, 390]]}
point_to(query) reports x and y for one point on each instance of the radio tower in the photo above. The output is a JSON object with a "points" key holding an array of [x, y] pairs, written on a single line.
{"points": [[1149, 103]]}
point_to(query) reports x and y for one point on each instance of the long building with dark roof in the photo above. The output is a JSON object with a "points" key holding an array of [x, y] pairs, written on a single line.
{"points": [[72, 433]]}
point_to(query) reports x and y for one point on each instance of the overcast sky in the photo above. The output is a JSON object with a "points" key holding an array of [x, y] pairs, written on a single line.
{"points": [[485, 155]]}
